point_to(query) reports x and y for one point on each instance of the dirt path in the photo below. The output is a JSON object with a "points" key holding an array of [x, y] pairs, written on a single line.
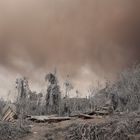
{"points": [[53, 131], [45, 131], [37, 132]]}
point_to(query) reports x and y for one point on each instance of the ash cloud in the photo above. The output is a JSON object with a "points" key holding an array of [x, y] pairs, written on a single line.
{"points": [[103, 36]]}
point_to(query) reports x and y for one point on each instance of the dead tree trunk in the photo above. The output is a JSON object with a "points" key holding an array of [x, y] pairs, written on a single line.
{"points": [[53, 96], [22, 88]]}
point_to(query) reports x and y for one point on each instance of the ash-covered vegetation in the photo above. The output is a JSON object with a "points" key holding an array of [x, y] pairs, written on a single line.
{"points": [[11, 131], [124, 98], [118, 127], [118, 104], [53, 101], [124, 94]]}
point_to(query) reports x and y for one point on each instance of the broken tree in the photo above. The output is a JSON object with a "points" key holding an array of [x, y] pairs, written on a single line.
{"points": [[53, 96]]}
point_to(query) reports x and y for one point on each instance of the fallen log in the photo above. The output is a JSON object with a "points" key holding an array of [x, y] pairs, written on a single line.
{"points": [[101, 113], [44, 119], [90, 114], [85, 116]]}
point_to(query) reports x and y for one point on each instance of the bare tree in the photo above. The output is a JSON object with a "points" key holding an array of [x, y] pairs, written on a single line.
{"points": [[68, 87], [23, 90]]}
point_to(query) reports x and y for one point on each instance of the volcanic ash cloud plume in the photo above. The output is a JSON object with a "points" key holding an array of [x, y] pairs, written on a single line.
{"points": [[88, 40]]}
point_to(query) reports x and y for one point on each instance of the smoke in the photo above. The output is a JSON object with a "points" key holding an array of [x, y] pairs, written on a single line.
{"points": [[85, 39]]}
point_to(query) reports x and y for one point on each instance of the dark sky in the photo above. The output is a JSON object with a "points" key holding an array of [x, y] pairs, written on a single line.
{"points": [[87, 39]]}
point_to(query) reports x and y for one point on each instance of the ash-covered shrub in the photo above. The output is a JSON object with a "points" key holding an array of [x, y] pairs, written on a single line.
{"points": [[121, 128], [10, 131], [123, 94], [127, 90]]}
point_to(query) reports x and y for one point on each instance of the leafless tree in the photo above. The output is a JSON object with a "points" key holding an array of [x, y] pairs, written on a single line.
{"points": [[23, 90], [68, 87]]}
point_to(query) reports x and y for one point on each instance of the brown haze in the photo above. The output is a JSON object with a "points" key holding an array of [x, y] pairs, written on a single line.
{"points": [[87, 39]]}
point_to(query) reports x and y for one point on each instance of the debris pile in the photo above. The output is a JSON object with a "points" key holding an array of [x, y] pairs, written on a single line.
{"points": [[9, 113]]}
